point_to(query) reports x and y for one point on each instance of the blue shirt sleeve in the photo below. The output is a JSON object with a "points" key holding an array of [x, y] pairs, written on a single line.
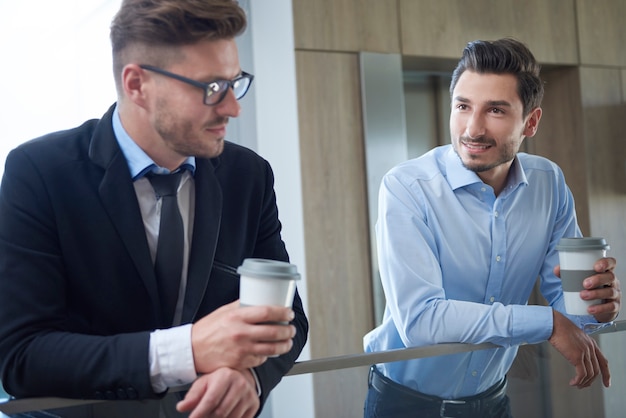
{"points": [[411, 274]]}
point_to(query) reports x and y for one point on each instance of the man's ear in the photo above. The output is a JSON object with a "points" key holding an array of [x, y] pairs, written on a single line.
{"points": [[134, 83], [532, 123]]}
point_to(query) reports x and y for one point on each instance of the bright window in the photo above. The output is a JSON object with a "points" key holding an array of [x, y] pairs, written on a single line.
{"points": [[56, 66]]}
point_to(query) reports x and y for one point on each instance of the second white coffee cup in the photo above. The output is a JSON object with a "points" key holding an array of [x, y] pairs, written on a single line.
{"points": [[577, 257]]}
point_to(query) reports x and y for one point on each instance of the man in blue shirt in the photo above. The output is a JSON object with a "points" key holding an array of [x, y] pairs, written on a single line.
{"points": [[463, 233]]}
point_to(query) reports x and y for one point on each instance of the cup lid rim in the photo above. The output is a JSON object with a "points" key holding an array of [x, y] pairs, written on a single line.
{"points": [[262, 268], [582, 243]]}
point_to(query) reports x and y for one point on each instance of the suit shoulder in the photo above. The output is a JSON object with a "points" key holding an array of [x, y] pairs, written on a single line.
{"points": [[55, 147], [232, 149], [85, 129], [236, 155]]}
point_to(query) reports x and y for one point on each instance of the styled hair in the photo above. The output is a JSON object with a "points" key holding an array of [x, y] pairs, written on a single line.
{"points": [[504, 56], [154, 28]]}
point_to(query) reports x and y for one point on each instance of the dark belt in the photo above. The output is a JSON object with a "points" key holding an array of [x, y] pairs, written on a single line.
{"points": [[453, 408]]}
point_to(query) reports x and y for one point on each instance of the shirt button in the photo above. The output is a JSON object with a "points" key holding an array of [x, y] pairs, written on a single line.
{"points": [[498, 258], [482, 189], [474, 373], [491, 299], [495, 214]]}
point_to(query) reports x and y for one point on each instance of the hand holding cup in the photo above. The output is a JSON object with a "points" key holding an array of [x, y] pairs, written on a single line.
{"points": [[577, 257]]}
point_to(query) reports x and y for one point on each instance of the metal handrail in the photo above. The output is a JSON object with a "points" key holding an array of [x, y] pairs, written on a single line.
{"points": [[366, 359], [303, 367]]}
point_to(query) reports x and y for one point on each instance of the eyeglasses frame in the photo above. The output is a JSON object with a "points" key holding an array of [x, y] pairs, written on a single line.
{"points": [[204, 86]]}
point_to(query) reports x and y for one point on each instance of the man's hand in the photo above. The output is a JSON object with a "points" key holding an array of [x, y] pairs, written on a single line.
{"points": [[580, 350], [603, 285], [240, 338], [225, 393]]}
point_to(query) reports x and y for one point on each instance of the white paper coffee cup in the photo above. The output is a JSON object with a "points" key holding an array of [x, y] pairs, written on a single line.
{"points": [[577, 257], [267, 282]]}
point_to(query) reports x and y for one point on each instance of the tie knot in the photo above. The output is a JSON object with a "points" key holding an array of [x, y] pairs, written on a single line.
{"points": [[165, 184]]}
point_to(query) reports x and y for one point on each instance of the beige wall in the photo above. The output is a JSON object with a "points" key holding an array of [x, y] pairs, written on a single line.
{"points": [[335, 222], [583, 47]]}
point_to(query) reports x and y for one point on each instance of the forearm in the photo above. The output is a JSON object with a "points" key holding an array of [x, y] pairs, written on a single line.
{"points": [[79, 366]]}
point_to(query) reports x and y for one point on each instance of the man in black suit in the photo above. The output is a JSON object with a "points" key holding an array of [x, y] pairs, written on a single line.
{"points": [[81, 314]]}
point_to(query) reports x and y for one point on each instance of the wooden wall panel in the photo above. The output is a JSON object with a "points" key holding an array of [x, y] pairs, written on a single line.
{"points": [[602, 32], [600, 87], [605, 151], [346, 25], [606, 163], [442, 28], [605, 124], [560, 136], [336, 222], [378, 29]]}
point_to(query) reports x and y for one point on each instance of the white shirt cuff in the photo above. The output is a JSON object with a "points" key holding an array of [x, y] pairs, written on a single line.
{"points": [[171, 358]]}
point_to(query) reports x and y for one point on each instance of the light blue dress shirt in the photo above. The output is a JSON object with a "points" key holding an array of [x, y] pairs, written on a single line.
{"points": [[139, 163], [458, 264]]}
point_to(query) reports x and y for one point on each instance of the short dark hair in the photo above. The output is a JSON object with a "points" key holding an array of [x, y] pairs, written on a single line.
{"points": [[154, 26], [504, 56]]}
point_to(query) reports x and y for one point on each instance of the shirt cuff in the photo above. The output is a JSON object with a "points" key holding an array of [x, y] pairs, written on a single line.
{"points": [[259, 392], [531, 324], [171, 358]]}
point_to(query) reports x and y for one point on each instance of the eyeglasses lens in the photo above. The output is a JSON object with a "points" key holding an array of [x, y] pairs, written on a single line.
{"points": [[216, 91]]}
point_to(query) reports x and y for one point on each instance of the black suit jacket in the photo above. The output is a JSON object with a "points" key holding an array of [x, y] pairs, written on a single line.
{"points": [[78, 296]]}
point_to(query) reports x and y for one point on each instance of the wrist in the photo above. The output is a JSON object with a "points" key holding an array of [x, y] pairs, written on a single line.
{"points": [[556, 319]]}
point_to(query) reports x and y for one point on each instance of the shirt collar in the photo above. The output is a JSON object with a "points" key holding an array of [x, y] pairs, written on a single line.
{"points": [[459, 176], [139, 163], [517, 175]]}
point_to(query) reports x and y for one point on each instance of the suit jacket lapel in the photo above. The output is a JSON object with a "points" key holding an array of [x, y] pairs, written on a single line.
{"points": [[126, 216], [208, 213], [119, 200]]}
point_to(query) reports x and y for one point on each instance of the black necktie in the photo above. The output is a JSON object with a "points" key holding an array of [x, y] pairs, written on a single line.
{"points": [[169, 255]]}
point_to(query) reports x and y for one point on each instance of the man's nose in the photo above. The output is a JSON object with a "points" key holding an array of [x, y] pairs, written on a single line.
{"points": [[475, 127], [229, 106]]}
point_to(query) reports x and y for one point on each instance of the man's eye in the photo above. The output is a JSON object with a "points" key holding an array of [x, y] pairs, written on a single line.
{"points": [[212, 88]]}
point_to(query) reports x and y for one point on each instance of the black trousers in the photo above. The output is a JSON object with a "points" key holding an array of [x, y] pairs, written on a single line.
{"points": [[388, 399]]}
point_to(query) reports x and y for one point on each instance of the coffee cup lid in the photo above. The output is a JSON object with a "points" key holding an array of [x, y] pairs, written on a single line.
{"points": [[261, 268], [582, 243]]}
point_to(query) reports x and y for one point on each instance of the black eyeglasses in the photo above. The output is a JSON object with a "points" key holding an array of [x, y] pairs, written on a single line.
{"points": [[215, 91]]}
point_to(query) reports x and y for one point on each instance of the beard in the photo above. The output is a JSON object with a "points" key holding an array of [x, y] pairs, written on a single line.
{"points": [[186, 138], [505, 152]]}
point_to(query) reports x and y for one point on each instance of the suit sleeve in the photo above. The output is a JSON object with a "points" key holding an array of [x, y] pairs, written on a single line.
{"points": [[43, 352], [270, 245]]}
